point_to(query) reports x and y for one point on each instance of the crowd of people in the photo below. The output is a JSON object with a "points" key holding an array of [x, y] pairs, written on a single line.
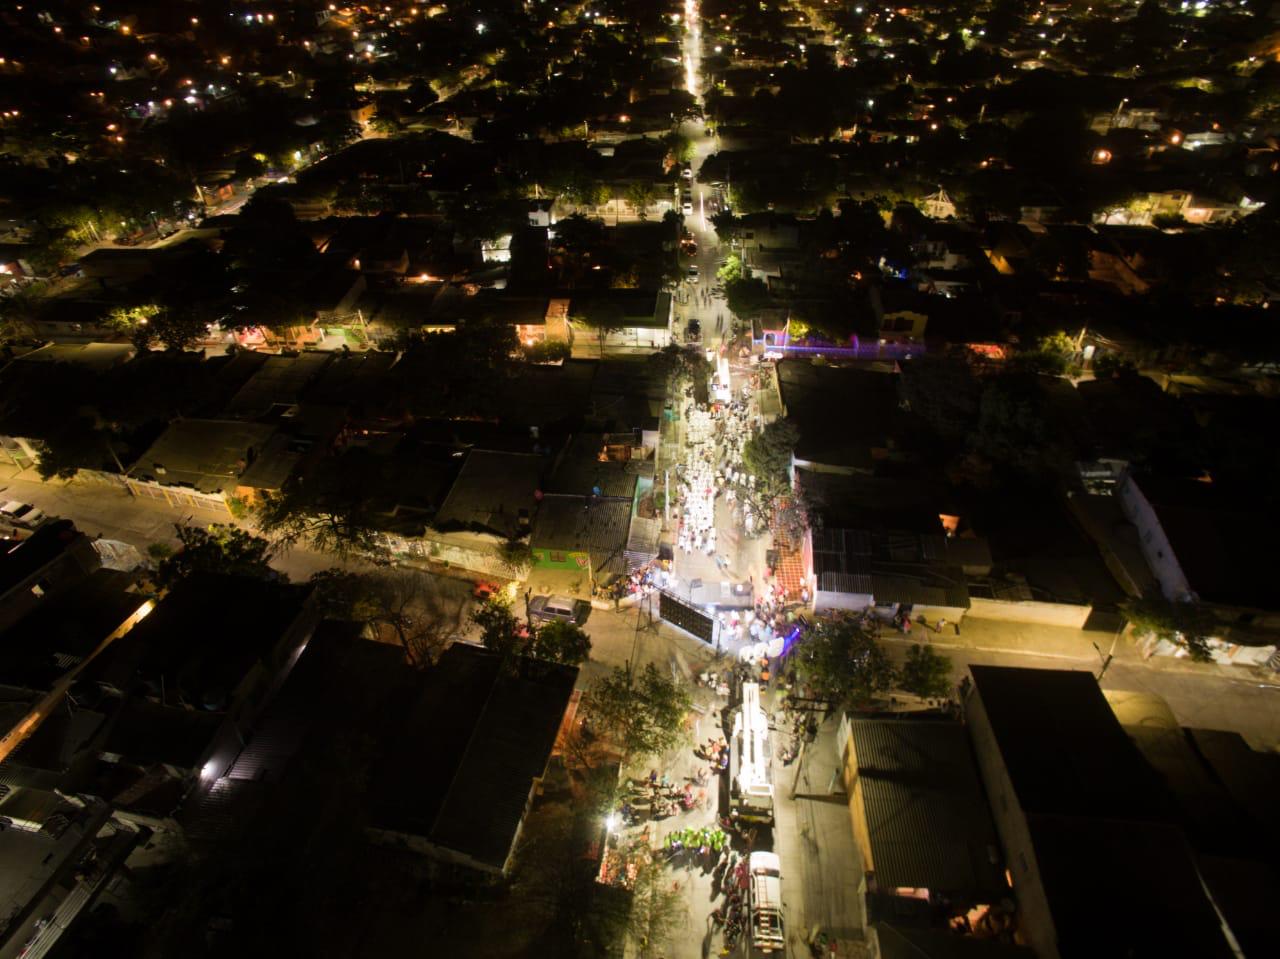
{"points": [[714, 441]]}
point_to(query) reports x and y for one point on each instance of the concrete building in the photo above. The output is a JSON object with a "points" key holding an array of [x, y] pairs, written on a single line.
{"points": [[1098, 861], [472, 753]]}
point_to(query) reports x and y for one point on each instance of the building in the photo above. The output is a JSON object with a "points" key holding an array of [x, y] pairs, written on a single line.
{"points": [[45, 650], [470, 757], [892, 572], [1099, 863], [636, 319], [850, 420], [199, 462], [187, 684], [59, 853], [54, 556], [921, 821], [1202, 546]]}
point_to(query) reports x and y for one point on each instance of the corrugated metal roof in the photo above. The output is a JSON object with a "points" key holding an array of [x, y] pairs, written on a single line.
{"points": [[927, 817], [845, 583]]}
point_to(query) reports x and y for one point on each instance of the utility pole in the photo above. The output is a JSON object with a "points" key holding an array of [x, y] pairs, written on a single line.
{"points": [[1111, 654]]}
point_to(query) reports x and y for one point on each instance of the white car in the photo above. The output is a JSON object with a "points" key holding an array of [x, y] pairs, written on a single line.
{"points": [[687, 173], [22, 514], [687, 208]]}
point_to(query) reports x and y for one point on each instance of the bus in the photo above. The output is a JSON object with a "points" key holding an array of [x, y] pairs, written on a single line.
{"points": [[751, 761]]}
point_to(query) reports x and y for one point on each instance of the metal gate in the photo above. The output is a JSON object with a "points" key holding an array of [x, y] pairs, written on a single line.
{"points": [[692, 620]]}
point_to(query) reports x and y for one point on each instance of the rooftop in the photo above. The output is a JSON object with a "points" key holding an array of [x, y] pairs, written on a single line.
{"points": [[846, 417], [493, 491], [66, 628], [926, 813], [598, 527], [895, 567], [581, 470], [204, 637], [206, 455], [19, 559], [471, 747], [1065, 751], [98, 357], [145, 733], [1216, 541], [1124, 890], [281, 380]]}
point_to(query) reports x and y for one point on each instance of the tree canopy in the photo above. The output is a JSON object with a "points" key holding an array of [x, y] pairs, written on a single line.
{"points": [[217, 548], [925, 673], [843, 664], [1185, 624], [641, 714]]}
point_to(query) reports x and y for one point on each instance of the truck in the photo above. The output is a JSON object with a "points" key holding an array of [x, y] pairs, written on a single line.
{"points": [[764, 905], [751, 761]]}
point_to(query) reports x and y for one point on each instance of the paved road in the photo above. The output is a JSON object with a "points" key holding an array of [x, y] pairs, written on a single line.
{"points": [[1234, 698]]}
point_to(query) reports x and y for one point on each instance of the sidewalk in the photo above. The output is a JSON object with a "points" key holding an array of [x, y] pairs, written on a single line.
{"points": [[813, 836], [1070, 645]]}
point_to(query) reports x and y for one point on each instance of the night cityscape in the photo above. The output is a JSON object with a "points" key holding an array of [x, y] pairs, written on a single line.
{"points": [[639, 480]]}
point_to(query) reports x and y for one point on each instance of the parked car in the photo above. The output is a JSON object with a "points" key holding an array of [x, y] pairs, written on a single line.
{"points": [[687, 208], [687, 172], [22, 514], [694, 272], [485, 590], [556, 607]]}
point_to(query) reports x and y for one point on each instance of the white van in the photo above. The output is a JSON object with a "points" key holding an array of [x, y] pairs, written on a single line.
{"points": [[764, 903]]}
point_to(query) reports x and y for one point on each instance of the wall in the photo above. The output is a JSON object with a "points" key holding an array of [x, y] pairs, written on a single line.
{"points": [[1029, 611], [477, 552], [1155, 545], [824, 600], [1034, 918], [853, 789], [561, 559], [180, 496]]}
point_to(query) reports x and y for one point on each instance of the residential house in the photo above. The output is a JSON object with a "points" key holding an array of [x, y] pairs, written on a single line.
{"points": [[60, 853], [1202, 546], [1085, 824], [199, 463], [470, 757], [921, 822], [893, 573]]}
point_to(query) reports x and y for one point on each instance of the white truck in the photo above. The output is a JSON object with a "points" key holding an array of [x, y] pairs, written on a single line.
{"points": [[751, 761], [764, 904]]}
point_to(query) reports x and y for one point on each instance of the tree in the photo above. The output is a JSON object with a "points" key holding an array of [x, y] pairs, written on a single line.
{"points": [[217, 548], [409, 603], [943, 392], [329, 508], [605, 317], [149, 323], [1183, 623], [675, 362], [768, 454], [641, 714], [558, 641], [19, 311], [746, 297], [679, 147], [500, 629], [843, 664], [640, 195], [658, 910], [925, 673]]}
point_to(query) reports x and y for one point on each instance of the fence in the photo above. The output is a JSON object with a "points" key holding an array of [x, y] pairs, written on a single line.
{"points": [[180, 497]]}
